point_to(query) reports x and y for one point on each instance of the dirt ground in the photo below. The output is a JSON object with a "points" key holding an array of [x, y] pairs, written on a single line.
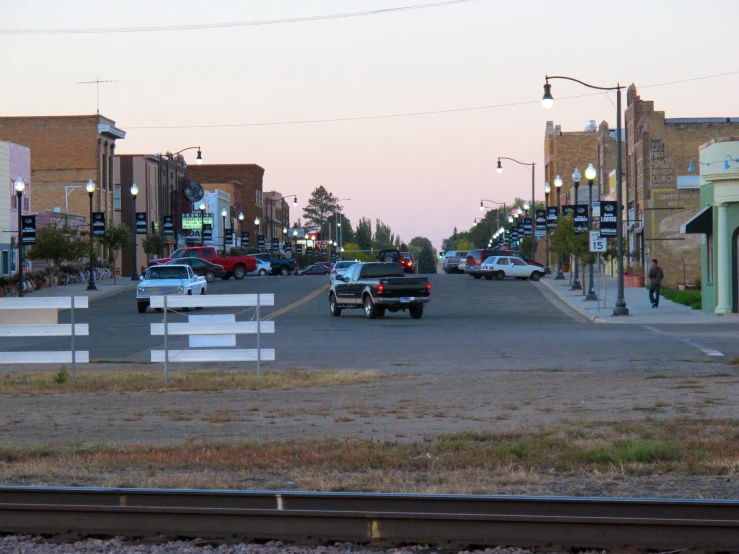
{"points": [[405, 406]]}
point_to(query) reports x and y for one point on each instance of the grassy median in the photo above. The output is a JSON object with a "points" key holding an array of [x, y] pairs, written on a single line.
{"points": [[181, 380], [470, 462]]}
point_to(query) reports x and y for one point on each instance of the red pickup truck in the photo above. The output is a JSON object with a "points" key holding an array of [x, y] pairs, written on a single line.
{"points": [[238, 266]]}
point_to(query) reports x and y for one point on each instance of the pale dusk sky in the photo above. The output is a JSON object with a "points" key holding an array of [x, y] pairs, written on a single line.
{"points": [[422, 175]]}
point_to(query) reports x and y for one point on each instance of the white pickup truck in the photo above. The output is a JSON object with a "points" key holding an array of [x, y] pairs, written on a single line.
{"points": [[162, 280]]}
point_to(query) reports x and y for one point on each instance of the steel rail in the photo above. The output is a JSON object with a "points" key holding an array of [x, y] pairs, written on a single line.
{"points": [[377, 519]]}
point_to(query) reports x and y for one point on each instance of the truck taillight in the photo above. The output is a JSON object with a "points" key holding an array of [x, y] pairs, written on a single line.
{"points": [[380, 288], [334, 272], [428, 287]]}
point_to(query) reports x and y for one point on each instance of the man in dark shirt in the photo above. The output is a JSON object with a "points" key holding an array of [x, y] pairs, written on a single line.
{"points": [[655, 282]]}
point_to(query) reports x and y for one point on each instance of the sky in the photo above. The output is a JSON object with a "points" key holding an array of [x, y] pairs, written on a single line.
{"points": [[422, 175]]}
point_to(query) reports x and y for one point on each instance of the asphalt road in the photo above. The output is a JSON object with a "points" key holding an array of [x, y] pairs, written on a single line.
{"points": [[473, 325]]}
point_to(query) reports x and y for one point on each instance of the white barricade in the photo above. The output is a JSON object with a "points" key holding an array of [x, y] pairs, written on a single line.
{"points": [[198, 326], [32, 317]]}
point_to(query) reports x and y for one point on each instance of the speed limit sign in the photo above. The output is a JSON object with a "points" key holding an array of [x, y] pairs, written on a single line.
{"points": [[597, 243]]}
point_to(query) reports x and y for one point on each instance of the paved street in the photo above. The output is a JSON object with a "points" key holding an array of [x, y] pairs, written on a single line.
{"points": [[469, 325]]}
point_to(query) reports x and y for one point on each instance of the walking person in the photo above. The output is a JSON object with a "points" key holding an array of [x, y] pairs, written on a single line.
{"points": [[655, 282]]}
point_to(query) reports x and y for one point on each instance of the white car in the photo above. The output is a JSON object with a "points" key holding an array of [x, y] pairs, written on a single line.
{"points": [[500, 267], [263, 268], [168, 279], [462, 263], [339, 269]]}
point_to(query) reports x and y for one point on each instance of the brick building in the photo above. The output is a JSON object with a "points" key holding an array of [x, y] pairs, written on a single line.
{"points": [[243, 182], [276, 215], [662, 191], [564, 151], [66, 152], [15, 161]]}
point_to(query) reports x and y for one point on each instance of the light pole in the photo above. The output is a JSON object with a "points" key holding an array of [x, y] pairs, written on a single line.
{"points": [[176, 211], [576, 176], [548, 101], [224, 213], [241, 229], [202, 223], [134, 194], [558, 185], [90, 191], [547, 190], [339, 231], [482, 207], [257, 223], [590, 174], [20, 186], [499, 169]]}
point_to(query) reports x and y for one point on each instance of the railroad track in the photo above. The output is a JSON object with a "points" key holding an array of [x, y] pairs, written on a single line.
{"points": [[447, 521]]}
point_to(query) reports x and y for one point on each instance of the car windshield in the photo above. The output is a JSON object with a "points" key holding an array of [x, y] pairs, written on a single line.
{"points": [[344, 265], [179, 253], [373, 271], [490, 260], [166, 272]]}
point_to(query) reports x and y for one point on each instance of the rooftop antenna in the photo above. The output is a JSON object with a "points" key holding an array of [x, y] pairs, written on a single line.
{"points": [[96, 82]]}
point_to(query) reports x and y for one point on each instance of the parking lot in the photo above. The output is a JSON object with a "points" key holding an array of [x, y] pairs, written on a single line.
{"points": [[470, 325]]}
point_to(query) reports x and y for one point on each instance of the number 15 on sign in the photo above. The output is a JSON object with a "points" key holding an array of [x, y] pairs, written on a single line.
{"points": [[597, 243]]}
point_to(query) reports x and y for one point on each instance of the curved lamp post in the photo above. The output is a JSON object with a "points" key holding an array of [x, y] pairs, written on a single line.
{"points": [[201, 208], [224, 213], [547, 190], [241, 229], [499, 169], [576, 176], [548, 101], [134, 195], [482, 207], [90, 187], [558, 185], [590, 174], [20, 185]]}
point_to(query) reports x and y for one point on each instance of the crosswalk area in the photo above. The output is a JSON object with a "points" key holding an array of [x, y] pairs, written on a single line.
{"points": [[507, 300]]}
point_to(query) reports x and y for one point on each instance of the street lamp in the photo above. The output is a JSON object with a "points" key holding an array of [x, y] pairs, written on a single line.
{"points": [[497, 209], [202, 223], [548, 102], [590, 174], [224, 213], [533, 192], [90, 191], [547, 190], [134, 194], [558, 185], [576, 176], [20, 186], [241, 229]]}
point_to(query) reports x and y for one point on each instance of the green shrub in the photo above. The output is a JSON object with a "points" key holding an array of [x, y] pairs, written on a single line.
{"points": [[690, 298]]}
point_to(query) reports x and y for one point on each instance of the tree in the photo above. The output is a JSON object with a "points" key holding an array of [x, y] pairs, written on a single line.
{"points": [[427, 260], [363, 234], [352, 252], [55, 244], [153, 245], [562, 240], [115, 238], [321, 205], [384, 237]]}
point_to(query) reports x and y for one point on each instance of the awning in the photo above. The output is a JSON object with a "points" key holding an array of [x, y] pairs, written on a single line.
{"points": [[701, 223]]}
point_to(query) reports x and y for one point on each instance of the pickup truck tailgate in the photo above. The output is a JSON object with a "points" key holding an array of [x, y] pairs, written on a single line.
{"points": [[405, 286]]}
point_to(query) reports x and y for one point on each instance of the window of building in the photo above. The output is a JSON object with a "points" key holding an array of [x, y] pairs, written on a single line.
{"points": [[14, 201], [258, 198], [709, 259], [26, 204], [117, 198]]}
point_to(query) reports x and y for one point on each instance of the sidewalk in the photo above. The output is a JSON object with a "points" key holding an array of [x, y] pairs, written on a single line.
{"points": [[637, 302], [105, 288]]}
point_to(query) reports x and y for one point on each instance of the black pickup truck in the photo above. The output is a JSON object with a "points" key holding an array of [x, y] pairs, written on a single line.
{"points": [[376, 287]]}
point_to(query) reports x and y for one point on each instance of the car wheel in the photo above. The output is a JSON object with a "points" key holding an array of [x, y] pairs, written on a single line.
{"points": [[284, 271], [535, 276], [416, 312], [333, 306], [500, 275], [476, 276], [142, 306], [262, 272], [370, 310], [209, 276], [239, 272], [489, 277]]}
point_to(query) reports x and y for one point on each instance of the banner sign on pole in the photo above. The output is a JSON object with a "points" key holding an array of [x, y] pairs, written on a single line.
{"points": [[527, 229], [168, 225], [288, 246], [581, 219], [141, 223], [275, 244], [552, 217], [260, 242], [323, 252], [229, 235], [568, 210], [28, 231], [608, 219], [541, 220], [98, 224], [309, 251], [298, 249], [333, 254], [207, 231], [244, 239]]}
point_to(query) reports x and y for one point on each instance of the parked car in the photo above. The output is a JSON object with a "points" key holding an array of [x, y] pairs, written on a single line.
{"points": [[168, 279], [315, 269], [201, 267], [238, 266], [475, 259], [279, 266], [451, 259], [376, 287], [263, 268], [500, 267], [408, 262], [339, 269], [462, 264]]}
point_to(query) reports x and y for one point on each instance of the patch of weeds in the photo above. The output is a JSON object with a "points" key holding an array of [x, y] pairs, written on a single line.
{"points": [[62, 376]]}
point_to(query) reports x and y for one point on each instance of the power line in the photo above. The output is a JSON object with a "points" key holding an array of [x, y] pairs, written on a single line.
{"points": [[413, 114], [227, 25]]}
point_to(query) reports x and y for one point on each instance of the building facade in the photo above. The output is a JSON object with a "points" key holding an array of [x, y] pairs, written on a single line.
{"points": [[15, 161], [276, 216], [565, 151], [663, 186]]}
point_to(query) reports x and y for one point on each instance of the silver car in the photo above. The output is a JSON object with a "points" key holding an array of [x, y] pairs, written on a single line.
{"points": [[339, 269], [451, 261], [263, 268]]}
